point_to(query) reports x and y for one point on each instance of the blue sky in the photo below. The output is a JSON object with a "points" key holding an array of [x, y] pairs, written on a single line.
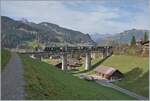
{"points": [[89, 16]]}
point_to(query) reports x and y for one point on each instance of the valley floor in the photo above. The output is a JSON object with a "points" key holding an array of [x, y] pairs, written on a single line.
{"points": [[44, 81]]}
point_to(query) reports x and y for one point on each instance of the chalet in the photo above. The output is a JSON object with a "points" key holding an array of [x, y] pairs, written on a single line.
{"points": [[146, 44], [108, 73]]}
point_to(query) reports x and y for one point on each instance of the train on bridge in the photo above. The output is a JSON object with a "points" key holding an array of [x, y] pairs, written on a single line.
{"points": [[64, 51]]}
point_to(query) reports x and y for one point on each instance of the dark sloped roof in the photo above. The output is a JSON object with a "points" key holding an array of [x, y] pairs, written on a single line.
{"points": [[146, 42]]}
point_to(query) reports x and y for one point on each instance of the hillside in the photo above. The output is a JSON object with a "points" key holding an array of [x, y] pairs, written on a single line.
{"points": [[18, 33], [46, 82], [123, 37]]}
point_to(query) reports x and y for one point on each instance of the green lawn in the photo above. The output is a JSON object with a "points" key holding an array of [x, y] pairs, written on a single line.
{"points": [[135, 70], [5, 56], [45, 81]]}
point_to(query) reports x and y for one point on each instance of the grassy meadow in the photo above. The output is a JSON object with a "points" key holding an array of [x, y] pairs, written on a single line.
{"points": [[5, 56], [45, 82], [136, 71]]}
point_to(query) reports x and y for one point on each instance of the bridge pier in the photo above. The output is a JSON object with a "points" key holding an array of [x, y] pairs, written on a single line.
{"points": [[64, 61], [104, 53], [111, 51], [107, 51], [88, 60]]}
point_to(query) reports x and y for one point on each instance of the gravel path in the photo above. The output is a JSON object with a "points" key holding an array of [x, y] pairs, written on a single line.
{"points": [[12, 82], [139, 97]]}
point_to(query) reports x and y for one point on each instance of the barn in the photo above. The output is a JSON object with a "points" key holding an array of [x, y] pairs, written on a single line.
{"points": [[108, 73]]}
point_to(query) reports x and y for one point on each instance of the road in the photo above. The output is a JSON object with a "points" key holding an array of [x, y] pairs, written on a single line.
{"points": [[12, 80]]}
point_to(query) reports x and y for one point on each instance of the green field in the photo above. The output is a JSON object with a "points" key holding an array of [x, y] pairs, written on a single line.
{"points": [[45, 81], [135, 70], [5, 56]]}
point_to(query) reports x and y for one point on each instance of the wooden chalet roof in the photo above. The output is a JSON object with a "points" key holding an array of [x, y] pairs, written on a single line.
{"points": [[105, 70]]}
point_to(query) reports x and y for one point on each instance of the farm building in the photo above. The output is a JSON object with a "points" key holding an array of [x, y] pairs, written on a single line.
{"points": [[71, 63], [145, 44], [108, 73]]}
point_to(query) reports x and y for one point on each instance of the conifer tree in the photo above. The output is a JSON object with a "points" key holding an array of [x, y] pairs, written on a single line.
{"points": [[133, 41], [145, 37]]}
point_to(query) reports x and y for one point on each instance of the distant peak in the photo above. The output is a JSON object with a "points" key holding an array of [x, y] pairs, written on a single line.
{"points": [[47, 24], [24, 20], [44, 23], [133, 29]]}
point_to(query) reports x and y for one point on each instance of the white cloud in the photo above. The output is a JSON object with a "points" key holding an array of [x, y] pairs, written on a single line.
{"points": [[57, 12]]}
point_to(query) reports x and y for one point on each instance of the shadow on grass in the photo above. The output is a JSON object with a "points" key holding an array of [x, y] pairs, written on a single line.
{"points": [[133, 74], [93, 66]]}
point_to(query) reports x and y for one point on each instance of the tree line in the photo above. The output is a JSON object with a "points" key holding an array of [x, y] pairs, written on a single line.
{"points": [[133, 40]]}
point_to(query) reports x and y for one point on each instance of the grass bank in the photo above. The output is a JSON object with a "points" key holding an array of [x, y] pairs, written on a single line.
{"points": [[5, 56], [135, 70], [44, 81]]}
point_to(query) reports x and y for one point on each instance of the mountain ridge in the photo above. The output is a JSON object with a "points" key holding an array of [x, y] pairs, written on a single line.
{"points": [[16, 33], [123, 37]]}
